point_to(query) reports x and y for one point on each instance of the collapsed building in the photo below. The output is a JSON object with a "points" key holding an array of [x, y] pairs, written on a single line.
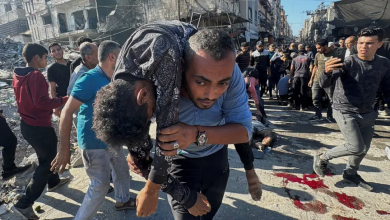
{"points": [[13, 21]]}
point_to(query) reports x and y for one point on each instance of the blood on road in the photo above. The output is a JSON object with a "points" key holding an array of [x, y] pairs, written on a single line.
{"points": [[339, 217], [381, 212]]}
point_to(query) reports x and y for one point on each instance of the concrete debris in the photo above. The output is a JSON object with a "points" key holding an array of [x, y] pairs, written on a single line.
{"points": [[3, 209], [10, 54]]}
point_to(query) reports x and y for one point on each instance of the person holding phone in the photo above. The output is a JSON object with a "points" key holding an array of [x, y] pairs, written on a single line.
{"points": [[356, 83]]}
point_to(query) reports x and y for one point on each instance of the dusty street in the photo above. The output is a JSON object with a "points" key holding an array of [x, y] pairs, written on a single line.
{"points": [[289, 192]]}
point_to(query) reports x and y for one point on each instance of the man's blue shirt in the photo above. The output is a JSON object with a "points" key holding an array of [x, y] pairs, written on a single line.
{"points": [[84, 90], [231, 107]]}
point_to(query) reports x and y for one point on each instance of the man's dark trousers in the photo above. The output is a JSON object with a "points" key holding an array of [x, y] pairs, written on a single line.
{"points": [[208, 175], [318, 92], [263, 78], [8, 141], [44, 142], [300, 87], [273, 81]]}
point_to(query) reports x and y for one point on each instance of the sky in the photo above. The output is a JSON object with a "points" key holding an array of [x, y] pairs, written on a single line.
{"points": [[294, 9]]}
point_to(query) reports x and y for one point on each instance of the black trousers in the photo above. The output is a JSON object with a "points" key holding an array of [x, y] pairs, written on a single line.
{"points": [[273, 81], [208, 175], [8, 141], [263, 78], [300, 88], [44, 142]]}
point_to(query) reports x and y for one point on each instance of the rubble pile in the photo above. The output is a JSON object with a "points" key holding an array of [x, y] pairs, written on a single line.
{"points": [[10, 54]]}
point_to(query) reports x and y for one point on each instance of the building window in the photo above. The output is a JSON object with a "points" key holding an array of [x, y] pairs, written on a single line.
{"points": [[47, 19], [250, 16], [8, 7], [256, 17]]}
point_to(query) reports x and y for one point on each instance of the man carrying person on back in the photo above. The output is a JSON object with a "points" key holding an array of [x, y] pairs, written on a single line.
{"points": [[36, 108], [324, 53], [357, 81], [97, 159], [213, 113], [58, 74]]}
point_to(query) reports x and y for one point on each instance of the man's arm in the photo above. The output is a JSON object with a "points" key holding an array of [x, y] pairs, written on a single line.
{"points": [[40, 95], [63, 156], [333, 70], [53, 90], [292, 70], [252, 60]]}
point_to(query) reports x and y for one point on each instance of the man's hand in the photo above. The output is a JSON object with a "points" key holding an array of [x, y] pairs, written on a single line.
{"points": [[289, 81], [332, 65], [1, 115], [182, 133], [310, 83], [131, 161], [254, 185], [60, 161], [147, 201], [57, 112], [201, 207]]}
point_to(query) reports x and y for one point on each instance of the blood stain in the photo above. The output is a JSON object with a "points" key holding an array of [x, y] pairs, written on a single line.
{"points": [[349, 201], [313, 206], [314, 184], [339, 217], [381, 212]]}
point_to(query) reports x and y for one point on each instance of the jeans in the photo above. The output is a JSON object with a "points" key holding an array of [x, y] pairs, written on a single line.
{"points": [[208, 175], [357, 130], [300, 87], [8, 141], [273, 81], [44, 142], [261, 101], [318, 92], [97, 163]]}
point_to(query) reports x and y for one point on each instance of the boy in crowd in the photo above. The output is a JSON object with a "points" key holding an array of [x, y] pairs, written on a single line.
{"points": [[35, 108]]}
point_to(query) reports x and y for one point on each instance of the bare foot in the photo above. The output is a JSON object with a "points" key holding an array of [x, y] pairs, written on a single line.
{"points": [[254, 185]]}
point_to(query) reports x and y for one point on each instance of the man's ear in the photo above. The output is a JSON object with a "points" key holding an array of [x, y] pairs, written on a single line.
{"points": [[143, 96], [381, 44]]}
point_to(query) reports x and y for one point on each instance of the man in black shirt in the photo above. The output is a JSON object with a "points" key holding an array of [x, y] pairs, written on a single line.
{"points": [[58, 74], [356, 83], [260, 59], [299, 77], [77, 61], [243, 57]]}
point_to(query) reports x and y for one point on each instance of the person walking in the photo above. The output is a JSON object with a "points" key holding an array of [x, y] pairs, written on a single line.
{"points": [[244, 56], [357, 81], [36, 108], [299, 77]]}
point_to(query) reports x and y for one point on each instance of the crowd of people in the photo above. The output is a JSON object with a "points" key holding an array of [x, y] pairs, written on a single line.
{"points": [[196, 86]]}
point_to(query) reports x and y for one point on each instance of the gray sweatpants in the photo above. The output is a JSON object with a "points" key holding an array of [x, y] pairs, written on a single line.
{"points": [[357, 130], [97, 163]]}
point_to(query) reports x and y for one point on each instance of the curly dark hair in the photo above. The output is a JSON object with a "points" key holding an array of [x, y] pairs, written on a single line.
{"points": [[117, 118]]}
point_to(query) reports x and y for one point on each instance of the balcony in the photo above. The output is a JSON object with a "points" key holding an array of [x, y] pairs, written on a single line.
{"points": [[265, 4]]}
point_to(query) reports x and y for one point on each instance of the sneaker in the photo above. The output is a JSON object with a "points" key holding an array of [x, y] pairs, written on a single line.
{"points": [[330, 119], [271, 98], [26, 214], [9, 174], [358, 180], [315, 118], [131, 204], [387, 152], [319, 166], [63, 180]]}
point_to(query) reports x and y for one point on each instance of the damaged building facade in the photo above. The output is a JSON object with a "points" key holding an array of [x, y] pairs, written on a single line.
{"points": [[13, 21]]}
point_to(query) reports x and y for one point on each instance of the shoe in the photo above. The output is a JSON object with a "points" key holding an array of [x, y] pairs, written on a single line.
{"points": [[305, 109], [387, 152], [319, 166], [271, 98], [9, 174], [358, 180], [315, 118], [63, 180], [26, 214], [131, 204], [330, 119]]}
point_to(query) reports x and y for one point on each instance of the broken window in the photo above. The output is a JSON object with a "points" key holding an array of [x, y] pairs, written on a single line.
{"points": [[8, 7], [47, 19], [92, 19], [62, 22], [79, 20], [104, 8], [250, 14]]}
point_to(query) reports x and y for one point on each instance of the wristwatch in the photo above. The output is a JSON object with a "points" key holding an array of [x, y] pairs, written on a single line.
{"points": [[201, 139]]}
